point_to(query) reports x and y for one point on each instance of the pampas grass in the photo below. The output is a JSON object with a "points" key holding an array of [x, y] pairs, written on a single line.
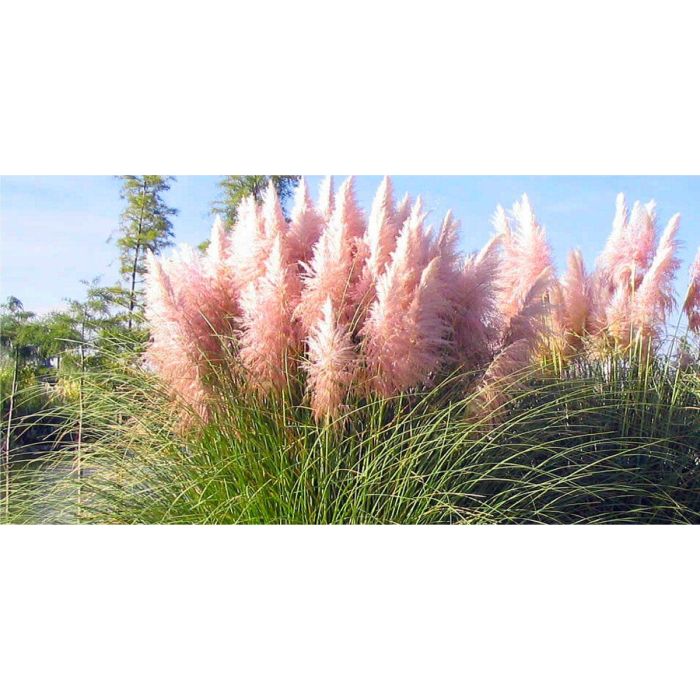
{"points": [[691, 303], [351, 368], [412, 308], [615, 442]]}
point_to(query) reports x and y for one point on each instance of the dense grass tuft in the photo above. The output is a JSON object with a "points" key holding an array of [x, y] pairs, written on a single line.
{"points": [[617, 441]]}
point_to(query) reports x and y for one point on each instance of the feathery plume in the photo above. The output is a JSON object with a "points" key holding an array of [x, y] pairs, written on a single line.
{"points": [[269, 341], [249, 247], [393, 301], [306, 225], [219, 244], [691, 304], [326, 198], [403, 210], [654, 299], [514, 357], [274, 223], [381, 231], [475, 306], [332, 271], [346, 200], [618, 316], [330, 365], [526, 257], [222, 300], [630, 247], [573, 303], [178, 343], [378, 243], [400, 333]]}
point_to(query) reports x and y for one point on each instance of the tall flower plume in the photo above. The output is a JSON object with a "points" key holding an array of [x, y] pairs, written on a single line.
{"points": [[249, 247], [630, 247], [654, 299], [475, 305], [385, 305], [306, 225], [333, 270], [379, 242], [403, 339], [180, 340], [513, 357], [326, 198], [268, 340], [633, 282], [573, 303], [526, 257], [331, 364], [691, 304]]}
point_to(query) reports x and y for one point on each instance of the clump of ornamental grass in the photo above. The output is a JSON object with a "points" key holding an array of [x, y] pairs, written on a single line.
{"points": [[601, 442], [354, 367], [358, 306]]}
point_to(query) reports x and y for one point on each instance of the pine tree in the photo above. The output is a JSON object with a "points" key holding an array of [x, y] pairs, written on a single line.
{"points": [[144, 226], [235, 188]]}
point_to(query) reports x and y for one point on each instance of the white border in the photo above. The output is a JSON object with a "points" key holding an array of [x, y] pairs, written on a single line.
{"points": [[368, 87], [349, 612], [365, 87]]}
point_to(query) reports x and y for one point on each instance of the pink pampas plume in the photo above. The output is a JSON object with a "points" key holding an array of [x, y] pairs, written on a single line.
{"points": [[222, 302], [174, 351], [405, 329], [614, 253], [630, 247], [573, 302], [608, 269], [644, 235], [445, 249], [475, 307], [306, 225], [333, 271], [427, 330], [207, 300], [528, 323], [382, 230], [326, 198], [219, 244], [654, 299], [198, 313], [526, 257], [271, 220], [274, 223], [446, 245], [413, 250], [691, 304], [503, 374], [249, 246], [269, 341], [514, 359], [618, 316], [330, 365], [449, 278], [639, 300], [378, 243], [346, 200], [403, 210]]}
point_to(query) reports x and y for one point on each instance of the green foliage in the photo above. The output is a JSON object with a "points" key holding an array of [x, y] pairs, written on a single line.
{"points": [[614, 441], [144, 226], [235, 188]]}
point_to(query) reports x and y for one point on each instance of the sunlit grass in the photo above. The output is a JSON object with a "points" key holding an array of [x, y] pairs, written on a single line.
{"points": [[610, 441]]}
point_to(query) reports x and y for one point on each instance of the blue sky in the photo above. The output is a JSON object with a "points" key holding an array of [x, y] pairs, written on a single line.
{"points": [[54, 230]]}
